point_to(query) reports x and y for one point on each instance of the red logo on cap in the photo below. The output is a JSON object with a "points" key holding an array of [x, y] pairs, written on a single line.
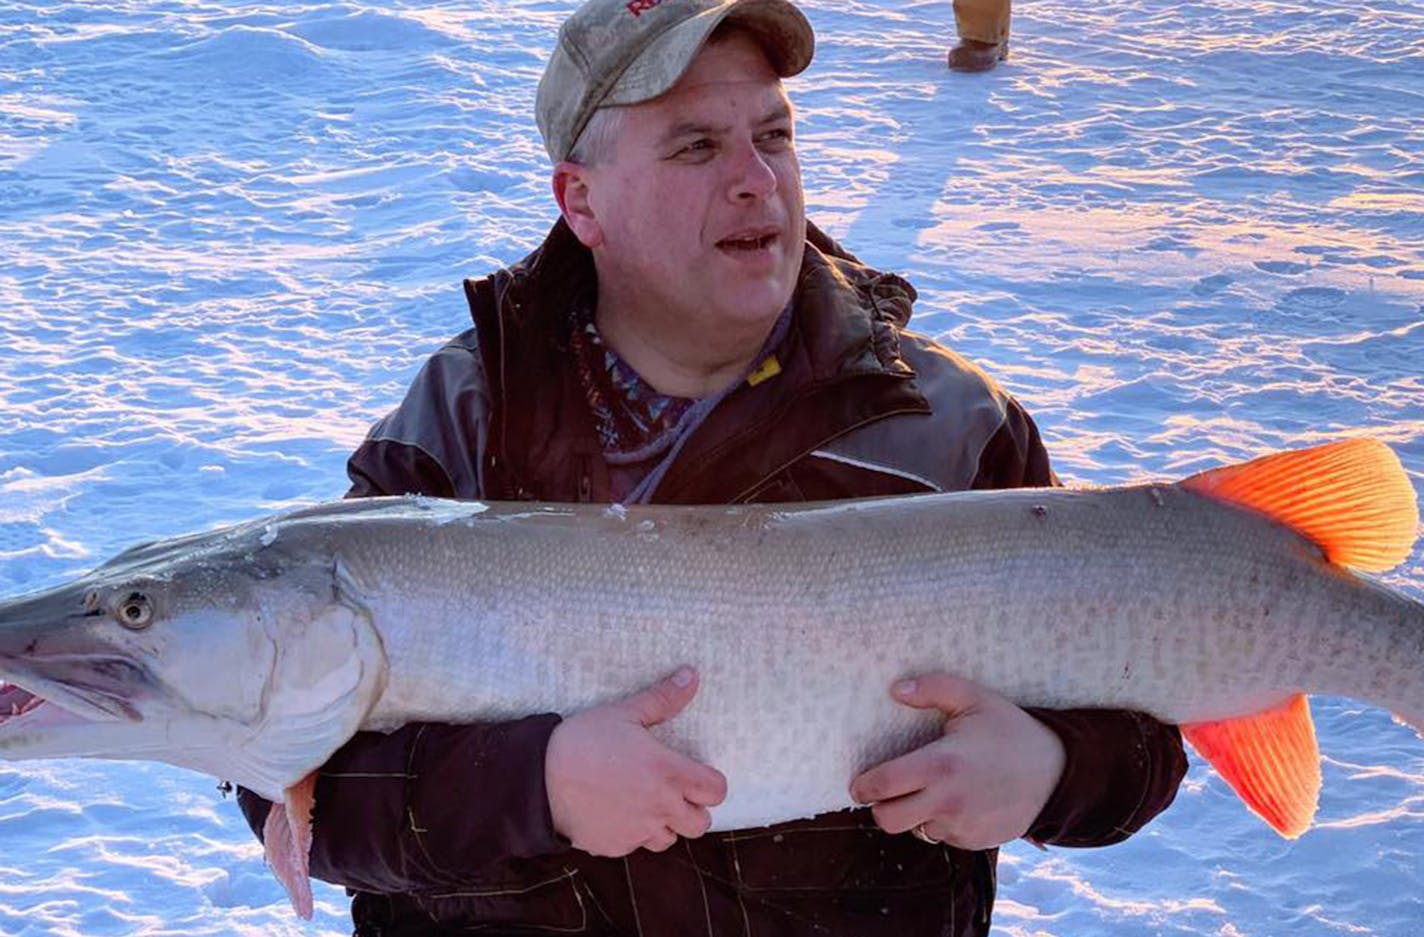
{"points": [[639, 7]]}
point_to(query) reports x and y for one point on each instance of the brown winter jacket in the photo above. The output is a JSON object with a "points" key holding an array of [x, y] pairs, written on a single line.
{"points": [[442, 830]]}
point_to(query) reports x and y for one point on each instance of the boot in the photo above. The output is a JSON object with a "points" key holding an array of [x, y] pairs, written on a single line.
{"points": [[971, 55]]}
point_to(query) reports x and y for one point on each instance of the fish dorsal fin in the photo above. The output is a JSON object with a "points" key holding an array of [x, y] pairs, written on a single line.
{"points": [[1353, 499], [1270, 759], [286, 839]]}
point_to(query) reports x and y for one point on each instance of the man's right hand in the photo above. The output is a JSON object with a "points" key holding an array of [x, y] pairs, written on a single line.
{"points": [[613, 787]]}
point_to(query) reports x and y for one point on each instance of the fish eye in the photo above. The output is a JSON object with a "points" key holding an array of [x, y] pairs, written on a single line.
{"points": [[135, 612]]}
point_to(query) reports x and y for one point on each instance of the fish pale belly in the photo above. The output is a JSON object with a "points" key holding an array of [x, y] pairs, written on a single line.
{"points": [[789, 712], [799, 762], [788, 721]]}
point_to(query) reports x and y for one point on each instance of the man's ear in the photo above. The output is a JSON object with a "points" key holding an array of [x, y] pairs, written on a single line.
{"points": [[571, 189]]}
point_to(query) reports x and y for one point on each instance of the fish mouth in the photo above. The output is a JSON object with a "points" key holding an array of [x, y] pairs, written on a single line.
{"points": [[16, 701], [91, 689]]}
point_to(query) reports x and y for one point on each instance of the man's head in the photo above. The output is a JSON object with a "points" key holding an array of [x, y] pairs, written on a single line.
{"points": [[690, 199]]}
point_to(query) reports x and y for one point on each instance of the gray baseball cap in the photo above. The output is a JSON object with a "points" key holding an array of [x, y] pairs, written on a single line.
{"points": [[618, 52]]}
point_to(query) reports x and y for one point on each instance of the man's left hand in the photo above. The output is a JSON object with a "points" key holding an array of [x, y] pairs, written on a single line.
{"points": [[979, 785]]}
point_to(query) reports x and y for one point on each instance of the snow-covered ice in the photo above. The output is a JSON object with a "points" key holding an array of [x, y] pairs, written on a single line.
{"points": [[1181, 232]]}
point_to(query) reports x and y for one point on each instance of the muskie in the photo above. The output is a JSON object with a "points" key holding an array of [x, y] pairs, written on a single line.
{"points": [[253, 652]]}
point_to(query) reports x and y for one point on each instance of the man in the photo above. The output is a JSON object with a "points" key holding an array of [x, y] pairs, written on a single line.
{"points": [[983, 35], [684, 335]]}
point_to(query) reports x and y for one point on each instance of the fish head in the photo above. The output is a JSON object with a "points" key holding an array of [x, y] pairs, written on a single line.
{"points": [[228, 654]]}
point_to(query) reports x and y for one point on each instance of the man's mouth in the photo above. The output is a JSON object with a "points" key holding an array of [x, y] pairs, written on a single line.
{"points": [[749, 242]]}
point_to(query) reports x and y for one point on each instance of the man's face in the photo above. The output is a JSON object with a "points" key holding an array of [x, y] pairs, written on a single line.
{"points": [[698, 206]]}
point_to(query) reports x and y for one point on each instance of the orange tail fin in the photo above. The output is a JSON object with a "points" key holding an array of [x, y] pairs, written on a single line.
{"points": [[1353, 499], [1270, 759]]}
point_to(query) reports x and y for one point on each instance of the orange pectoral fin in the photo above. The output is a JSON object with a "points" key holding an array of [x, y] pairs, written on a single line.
{"points": [[1270, 759], [286, 836]]}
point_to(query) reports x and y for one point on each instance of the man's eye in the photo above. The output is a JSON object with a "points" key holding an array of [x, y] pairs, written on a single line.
{"points": [[776, 136], [697, 147]]}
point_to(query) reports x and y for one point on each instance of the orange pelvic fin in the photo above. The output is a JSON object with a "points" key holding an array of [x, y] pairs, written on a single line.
{"points": [[1270, 759], [286, 837], [1353, 499]]}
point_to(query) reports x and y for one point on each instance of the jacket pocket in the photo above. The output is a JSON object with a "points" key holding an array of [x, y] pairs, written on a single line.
{"points": [[840, 874], [851, 854], [524, 905]]}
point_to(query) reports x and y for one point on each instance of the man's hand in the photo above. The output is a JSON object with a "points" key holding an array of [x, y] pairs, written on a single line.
{"points": [[613, 787], [979, 785]]}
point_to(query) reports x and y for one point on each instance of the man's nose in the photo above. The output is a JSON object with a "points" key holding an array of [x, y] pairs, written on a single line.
{"points": [[751, 175]]}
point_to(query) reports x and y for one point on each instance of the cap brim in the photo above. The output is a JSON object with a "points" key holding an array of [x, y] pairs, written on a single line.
{"points": [[785, 32]]}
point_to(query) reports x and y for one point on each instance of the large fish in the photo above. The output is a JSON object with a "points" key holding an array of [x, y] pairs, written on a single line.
{"points": [[253, 652]]}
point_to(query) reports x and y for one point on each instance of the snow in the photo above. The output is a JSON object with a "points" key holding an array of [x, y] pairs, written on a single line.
{"points": [[1181, 232]]}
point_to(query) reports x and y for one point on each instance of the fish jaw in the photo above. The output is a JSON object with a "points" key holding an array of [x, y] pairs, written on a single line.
{"points": [[44, 715], [104, 692], [34, 725]]}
